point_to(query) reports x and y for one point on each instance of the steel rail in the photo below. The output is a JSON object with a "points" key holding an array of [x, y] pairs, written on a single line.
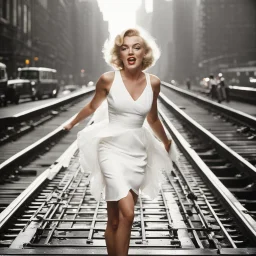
{"points": [[247, 222], [142, 251], [238, 160], [49, 174], [230, 112], [25, 154], [34, 112]]}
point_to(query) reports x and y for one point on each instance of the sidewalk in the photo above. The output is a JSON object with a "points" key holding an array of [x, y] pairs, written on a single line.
{"points": [[13, 109], [238, 105]]}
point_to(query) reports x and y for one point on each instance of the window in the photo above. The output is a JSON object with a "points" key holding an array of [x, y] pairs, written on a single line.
{"points": [[29, 21], [5, 9], [43, 3], [28, 74], [49, 75], [2, 74], [25, 19], [43, 75], [19, 13], [14, 14]]}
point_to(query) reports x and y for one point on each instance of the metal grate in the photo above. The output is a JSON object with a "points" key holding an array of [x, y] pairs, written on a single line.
{"points": [[184, 215]]}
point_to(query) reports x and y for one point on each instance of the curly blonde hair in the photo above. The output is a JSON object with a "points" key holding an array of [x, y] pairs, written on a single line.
{"points": [[111, 49]]}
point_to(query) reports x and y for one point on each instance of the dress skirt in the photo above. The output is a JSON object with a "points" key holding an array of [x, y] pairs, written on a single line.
{"points": [[120, 158], [123, 160]]}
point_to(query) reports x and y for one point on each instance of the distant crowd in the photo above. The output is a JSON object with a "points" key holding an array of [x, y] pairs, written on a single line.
{"points": [[218, 88]]}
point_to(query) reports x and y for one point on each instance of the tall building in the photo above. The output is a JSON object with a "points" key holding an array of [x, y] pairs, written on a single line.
{"points": [[173, 24], [77, 32], [53, 33], [42, 51], [143, 18], [227, 34], [162, 30], [61, 36], [197, 26], [159, 24], [93, 40], [197, 37], [15, 33], [184, 30]]}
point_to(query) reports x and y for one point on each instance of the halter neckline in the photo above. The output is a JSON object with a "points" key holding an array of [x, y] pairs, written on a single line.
{"points": [[127, 89]]}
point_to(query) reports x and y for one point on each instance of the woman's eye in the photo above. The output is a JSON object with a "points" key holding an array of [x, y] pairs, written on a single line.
{"points": [[137, 48]]}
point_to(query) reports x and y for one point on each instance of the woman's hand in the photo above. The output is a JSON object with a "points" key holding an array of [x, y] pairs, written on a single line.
{"points": [[168, 145], [68, 127]]}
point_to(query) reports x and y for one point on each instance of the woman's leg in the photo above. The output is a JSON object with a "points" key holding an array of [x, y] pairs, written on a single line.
{"points": [[112, 224], [126, 216]]}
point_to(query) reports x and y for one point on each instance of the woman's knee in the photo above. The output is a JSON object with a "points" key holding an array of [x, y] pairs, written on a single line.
{"points": [[126, 208], [127, 216], [113, 215], [113, 224]]}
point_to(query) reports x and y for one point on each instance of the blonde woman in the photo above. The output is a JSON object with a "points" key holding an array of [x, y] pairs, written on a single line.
{"points": [[121, 153]]}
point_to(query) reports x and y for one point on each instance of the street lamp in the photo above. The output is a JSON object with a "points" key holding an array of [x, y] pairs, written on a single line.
{"points": [[35, 60]]}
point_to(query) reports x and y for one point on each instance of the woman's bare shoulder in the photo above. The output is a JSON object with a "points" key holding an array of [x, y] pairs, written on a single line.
{"points": [[155, 82], [107, 77]]}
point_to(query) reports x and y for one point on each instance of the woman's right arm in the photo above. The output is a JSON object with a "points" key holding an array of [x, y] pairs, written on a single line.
{"points": [[102, 88]]}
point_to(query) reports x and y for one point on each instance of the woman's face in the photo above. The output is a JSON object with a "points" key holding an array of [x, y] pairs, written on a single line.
{"points": [[132, 52]]}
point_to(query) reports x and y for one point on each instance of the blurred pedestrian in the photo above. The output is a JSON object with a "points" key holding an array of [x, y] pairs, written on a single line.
{"points": [[188, 83], [212, 84], [224, 89]]}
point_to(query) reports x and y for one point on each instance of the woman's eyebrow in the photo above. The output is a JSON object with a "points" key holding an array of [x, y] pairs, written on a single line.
{"points": [[132, 45]]}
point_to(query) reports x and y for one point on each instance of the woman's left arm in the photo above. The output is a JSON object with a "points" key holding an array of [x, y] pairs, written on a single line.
{"points": [[152, 117]]}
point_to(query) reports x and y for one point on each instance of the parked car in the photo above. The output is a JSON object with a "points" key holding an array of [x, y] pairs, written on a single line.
{"points": [[43, 81], [3, 84], [19, 89], [69, 88]]}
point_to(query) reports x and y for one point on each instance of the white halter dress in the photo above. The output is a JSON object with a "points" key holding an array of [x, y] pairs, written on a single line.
{"points": [[119, 148]]}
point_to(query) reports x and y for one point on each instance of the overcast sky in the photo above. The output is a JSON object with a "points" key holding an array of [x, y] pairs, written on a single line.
{"points": [[121, 13]]}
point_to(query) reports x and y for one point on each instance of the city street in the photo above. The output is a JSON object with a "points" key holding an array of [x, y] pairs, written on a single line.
{"points": [[27, 104]]}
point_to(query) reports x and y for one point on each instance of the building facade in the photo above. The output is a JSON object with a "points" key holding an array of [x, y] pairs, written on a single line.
{"points": [[227, 34], [198, 37], [184, 30], [93, 40], [52, 33], [144, 18], [159, 24], [15, 32]]}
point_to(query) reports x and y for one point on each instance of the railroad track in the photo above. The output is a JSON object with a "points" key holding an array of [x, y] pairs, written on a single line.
{"points": [[36, 123], [28, 157], [238, 93], [14, 127], [229, 149], [193, 214], [234, 128]]}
